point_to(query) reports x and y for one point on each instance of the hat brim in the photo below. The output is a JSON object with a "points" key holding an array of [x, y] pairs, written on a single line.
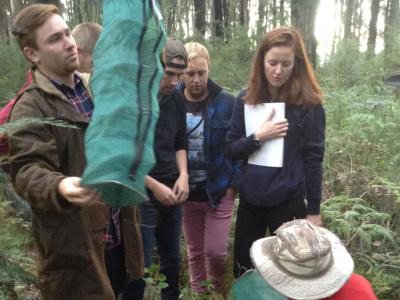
{"points": [[322, 286]]}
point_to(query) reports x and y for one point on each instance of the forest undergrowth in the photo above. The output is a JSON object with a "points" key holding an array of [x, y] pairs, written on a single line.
{"points": [[361, 167]]}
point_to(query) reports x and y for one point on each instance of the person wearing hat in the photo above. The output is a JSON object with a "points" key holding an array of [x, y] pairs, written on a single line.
{"points": [[167, 182], [304, 262]]}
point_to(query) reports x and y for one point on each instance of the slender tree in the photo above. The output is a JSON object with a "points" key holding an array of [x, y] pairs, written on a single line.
{"points": [[337, 33], [282, 19], [200, 16], [227, 21], [4, 20], [274, 13], [294, 11], [391, 25], [372, 31], [358, 19], [303, 17], [244, 13], [188, 10], [262, 13], [348, 18], [218, 18]]}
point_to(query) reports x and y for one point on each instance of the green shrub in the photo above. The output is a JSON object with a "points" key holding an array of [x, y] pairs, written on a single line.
{"points": [[348, 68], [362, 139], [367, 234], [13, 69]]}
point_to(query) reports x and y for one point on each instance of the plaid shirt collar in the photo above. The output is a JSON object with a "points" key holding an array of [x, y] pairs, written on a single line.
{"points": [[78, 96]]}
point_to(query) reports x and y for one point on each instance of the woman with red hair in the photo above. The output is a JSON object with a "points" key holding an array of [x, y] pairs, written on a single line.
{"points": [[270, 195]]}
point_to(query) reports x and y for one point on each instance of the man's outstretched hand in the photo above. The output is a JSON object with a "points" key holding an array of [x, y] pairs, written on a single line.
{"points": [[73, 192]]}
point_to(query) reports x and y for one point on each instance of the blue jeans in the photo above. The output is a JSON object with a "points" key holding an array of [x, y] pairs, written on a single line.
{"points": [[164, 224]]}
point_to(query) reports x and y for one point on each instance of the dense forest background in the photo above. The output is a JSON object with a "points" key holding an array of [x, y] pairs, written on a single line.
{"points": [[362, 160]]}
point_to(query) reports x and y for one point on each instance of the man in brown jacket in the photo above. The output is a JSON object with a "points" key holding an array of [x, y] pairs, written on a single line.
{"points": [[69, 221]]}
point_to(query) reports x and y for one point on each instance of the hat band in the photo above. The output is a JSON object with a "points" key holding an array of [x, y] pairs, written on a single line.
{"points": [[310, 269], [176, 66]]}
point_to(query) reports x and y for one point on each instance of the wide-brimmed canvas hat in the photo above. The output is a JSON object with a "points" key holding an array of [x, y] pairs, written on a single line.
{"points": [[303, 261]]}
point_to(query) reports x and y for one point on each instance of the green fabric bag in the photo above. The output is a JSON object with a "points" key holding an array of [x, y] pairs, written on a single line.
{"points": [[125, 83], [252, 286]]}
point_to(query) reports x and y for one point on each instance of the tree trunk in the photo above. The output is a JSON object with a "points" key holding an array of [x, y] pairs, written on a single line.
{"points": [[348, 18], [391, 25], [78, 11], [218, 18], [274, 14], [294, 12], [282, 20], [303, 17], [227, 21], [358, 19], [372, 27], [180, 19], [4, 21], [244, 13], [187, 14], [200, 16], [261, 16], [337, 34], [73, 9], [172, 18]]}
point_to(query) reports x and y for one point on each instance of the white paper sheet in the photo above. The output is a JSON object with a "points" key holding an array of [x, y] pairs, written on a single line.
{"points": [[271, 152]]}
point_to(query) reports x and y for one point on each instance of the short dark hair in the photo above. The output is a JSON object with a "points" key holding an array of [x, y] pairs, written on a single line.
{"points": [[28, 20]]}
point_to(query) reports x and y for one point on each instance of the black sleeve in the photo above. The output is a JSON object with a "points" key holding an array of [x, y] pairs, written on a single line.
{"points": [[314, 149], [238, 145], [181, 136]]}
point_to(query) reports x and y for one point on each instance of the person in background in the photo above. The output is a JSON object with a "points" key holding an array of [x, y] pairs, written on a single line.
{"points": [[167, 182], [270, 196], [86, 35], [123, 241], [302, 262], [208, 212]]}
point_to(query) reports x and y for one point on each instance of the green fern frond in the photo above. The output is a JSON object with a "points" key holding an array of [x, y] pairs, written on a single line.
{"points": [[378, 232], [352, 215], [24, 122]]}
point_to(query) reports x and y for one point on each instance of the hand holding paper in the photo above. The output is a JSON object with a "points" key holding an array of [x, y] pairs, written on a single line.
{"points": [[271, 129], [267, 121]]}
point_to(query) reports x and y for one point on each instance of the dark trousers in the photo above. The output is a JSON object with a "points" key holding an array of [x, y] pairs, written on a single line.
{"points": [[163, 223], [116, 270], [252, 223]]}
